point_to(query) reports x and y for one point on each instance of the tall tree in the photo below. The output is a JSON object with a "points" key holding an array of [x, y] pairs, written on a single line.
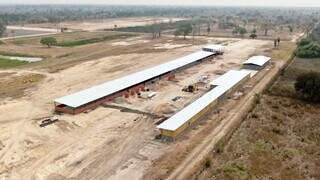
{"points": [[49, 41], [185, 29], [2, 28], [253, 34], [290, 27], [160, 27], [239, 30], [266, 26], [308, 28], [208, 28], [242, 31]]}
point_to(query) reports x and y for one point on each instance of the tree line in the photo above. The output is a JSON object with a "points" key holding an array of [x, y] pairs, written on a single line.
{"points": [[309, 47], [59, 13], [2, 27]]}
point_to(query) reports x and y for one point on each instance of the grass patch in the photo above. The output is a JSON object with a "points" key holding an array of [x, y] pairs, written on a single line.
{"points": [[6, 53], [262, 145], [93, 40], [8, 63], [153, 27], [15, 86], [235, 169], [284, 86], [285, 51]]}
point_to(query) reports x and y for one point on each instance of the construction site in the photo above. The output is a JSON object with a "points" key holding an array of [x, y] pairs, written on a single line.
{"points": [[110, 110]]}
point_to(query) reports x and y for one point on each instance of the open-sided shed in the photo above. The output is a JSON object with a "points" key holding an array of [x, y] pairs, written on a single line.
{"points": [[89, 98], [225, 84], [214, 48], [256, 62]]}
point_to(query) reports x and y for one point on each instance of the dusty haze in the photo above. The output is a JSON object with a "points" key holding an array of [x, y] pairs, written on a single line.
{"points": [[303, 3]]}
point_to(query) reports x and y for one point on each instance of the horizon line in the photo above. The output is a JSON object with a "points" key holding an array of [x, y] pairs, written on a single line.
{"points": [[173, 5]]}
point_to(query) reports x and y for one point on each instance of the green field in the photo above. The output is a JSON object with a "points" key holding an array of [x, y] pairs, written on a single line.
{"points": [[153, 27], [81, 42], [8, 63], [6, 53]]}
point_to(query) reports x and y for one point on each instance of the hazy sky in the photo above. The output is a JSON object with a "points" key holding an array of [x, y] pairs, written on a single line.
{"points": [[175, 2]]}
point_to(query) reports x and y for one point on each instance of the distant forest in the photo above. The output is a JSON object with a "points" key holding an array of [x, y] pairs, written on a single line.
{"points": [[20, 14]]}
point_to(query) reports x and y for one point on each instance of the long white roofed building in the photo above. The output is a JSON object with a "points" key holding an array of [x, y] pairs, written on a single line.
{"points": [[223, 85], [128, 85]]}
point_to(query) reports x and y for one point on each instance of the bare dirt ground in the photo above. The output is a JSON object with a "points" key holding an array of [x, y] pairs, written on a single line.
{"points": [[31, 29], [13, 32], [104, 143], [59, 58], [106, 23]]}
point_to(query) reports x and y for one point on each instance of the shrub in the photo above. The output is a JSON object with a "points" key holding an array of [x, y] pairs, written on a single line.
{"points": [[308, 86], [308, 49], [49, 41], [207, 163], [236, 168], [304, 41], [219, 147], [253, 36], [311, 50], [240, 30]]}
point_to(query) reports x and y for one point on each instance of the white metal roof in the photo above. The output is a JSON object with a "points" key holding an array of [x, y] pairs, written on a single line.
{"points": [[230, 77], [96, 92], [225, 83], [257, 60], [214, 47]]}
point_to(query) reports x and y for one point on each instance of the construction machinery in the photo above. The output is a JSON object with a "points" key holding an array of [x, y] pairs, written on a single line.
{"points": [[47, 121], [147, 95], [190, 88]]}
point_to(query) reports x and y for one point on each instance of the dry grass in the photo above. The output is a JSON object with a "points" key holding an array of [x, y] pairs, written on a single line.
{"points": [[279, 139], [284, 86], [14, 86], [284, 51]]}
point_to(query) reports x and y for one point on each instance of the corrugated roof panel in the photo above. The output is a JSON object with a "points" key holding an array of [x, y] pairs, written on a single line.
{"points": [[214, 47], [96, 92], [257, 60], [229, 77], [226, 82]]}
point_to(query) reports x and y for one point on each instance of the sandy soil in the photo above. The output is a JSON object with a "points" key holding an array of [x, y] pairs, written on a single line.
{"points": [[31, 29], [104, 143], [106, 23]]}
